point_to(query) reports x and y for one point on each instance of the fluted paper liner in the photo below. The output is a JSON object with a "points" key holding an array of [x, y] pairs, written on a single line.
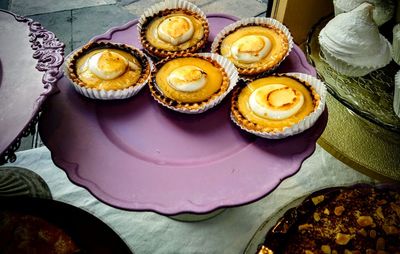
{"points": [[396, 99], [317, 85], [102, 94], [171, 5], [197, 107], [349, 69], [252, 73]]}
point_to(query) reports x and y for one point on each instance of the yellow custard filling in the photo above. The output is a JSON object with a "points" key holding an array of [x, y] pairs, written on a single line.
{"points": [[268, 46], [189, 79], [108, 69], [174, 32], [276, 102]]}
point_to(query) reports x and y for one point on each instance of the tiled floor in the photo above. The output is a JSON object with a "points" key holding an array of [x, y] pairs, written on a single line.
{"points": [[76, 21]]}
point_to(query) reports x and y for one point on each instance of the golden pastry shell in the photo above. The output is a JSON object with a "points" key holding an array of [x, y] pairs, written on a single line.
{"points": [[229, 80], [70, 71], [249, 74], [318, 92], [161, 53]]}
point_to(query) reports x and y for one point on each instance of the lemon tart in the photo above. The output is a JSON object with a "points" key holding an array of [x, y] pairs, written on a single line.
{"points": [[173, 27], [192, 83], [278, 104], [254, 45], [108, 67]]}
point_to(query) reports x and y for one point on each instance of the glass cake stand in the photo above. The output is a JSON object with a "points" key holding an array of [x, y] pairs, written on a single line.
{"points": [[364, 131]]}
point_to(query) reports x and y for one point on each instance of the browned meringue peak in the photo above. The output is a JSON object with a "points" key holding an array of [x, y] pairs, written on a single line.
{"points": [[354, 38]]}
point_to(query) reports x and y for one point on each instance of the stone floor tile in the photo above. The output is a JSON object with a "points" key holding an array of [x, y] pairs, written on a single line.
{"points": [[4, 4], [60, 24], [92, 21], [139, 6], [241, 9], [26, 143], [31, 7]]}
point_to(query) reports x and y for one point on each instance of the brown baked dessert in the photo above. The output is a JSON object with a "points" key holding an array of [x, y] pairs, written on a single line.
{"points": [[23, 233], [359, 219]]}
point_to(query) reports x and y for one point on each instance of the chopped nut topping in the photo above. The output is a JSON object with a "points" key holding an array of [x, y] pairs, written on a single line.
{"points": [[381, 202], [316, 216], [318, 199], [390, 230], [372, 234], [380, 244], [339, 210], [326, 211], [365, 221], [382, 252], [395, 208], [379, 212], [342, 239], [352, 230], [265, 250], [362, 232], [305, 226], [326, 249], [309, 252]]}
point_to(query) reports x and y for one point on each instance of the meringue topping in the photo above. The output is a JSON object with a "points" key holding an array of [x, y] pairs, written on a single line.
{"points": [[107, 65], [353, 37], [187, 78], [251, 48], [276, 101], [383, 10], [175, 30]]}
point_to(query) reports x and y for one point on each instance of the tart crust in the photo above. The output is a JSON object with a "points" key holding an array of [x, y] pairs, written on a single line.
{"points": [[162, 53], [160, 96], [239, 118], [258, 68], [72, 61]]}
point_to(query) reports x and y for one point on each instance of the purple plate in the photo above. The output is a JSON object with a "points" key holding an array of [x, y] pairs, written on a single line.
{"points": [[29, 60], [137, 155]]}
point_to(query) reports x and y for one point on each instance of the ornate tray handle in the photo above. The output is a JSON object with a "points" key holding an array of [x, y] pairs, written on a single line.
{"points": [[49, 53]]}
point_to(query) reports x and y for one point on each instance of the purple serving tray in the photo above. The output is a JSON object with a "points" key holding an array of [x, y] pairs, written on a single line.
{"points": [[135, 154], [30, 57]]}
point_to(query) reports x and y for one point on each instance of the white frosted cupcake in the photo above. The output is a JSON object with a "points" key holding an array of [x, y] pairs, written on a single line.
{"points": [[256, 46], [278, 106], [192, 83], [108, 71], [396, 43], [173, 27], [383, 9], [352, 45], [396, 99]]}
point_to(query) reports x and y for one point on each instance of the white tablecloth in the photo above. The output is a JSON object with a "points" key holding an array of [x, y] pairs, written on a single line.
{"points": [[229, 232]]}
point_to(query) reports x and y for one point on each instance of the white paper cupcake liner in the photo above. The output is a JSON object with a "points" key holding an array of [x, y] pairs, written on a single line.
{"points": [[319, 87], [102, 94], [396, 44], [168, 5], [396, 99], [233, 77], [349, 69], [256, 21]]}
